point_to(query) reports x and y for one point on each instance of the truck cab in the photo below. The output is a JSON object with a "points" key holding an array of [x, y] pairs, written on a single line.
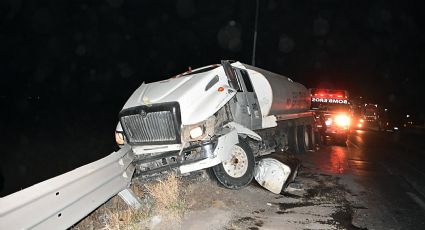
{"points": [[220, 117]]}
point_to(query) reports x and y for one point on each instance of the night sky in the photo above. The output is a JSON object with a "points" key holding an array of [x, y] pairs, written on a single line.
{"points": [[101, 50], [67, 67]]}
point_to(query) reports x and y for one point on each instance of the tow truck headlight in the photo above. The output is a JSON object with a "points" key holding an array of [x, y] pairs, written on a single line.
{"points": [[119, 138], [342, 120], [328, 122], [196, 132]]}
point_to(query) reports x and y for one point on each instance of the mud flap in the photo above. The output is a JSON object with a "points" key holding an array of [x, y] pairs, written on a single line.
{"points": [[274, 175]]}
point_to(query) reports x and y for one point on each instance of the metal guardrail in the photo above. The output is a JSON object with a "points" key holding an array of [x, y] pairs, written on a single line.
{"points": [[60, 202]]}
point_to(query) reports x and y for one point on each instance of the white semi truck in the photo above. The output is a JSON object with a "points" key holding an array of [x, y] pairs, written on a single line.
{"points": [[223, 117]]}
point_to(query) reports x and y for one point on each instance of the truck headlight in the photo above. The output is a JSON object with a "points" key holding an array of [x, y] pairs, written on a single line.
{"points": [[119, 138], [196, 132], [342, 120]]}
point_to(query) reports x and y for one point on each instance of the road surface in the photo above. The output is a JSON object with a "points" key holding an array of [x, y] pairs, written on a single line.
{"points": [[385, 174], [375, 181]]}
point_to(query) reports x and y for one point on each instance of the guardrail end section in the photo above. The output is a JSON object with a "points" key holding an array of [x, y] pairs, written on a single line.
{"points": [[130, 198]]}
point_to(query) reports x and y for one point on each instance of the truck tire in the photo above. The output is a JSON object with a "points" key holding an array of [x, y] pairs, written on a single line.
{"points": [[238, 171], [311, 138], [293, 139], [317, 138], [302, 139]]}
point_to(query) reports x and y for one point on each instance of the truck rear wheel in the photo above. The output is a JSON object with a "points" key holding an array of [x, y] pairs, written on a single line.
{"points": [[238, 171], [293, 139], [309, 132], [302, 139]]}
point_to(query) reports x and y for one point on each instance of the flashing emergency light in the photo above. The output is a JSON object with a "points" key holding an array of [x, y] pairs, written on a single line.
{"points": [[329, 93]]}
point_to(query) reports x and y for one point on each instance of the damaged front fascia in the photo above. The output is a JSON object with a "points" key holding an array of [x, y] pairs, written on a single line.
{"points": [[211, 126], [193, 150], [150, 165]]}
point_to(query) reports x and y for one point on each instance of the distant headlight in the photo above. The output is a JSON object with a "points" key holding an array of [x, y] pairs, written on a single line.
{"points": [[361, 120], [342, 120], [119, 138], [196, 132]]}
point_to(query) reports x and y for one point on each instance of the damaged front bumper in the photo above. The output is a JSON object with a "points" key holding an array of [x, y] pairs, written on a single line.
{"points": [[195, 157]]}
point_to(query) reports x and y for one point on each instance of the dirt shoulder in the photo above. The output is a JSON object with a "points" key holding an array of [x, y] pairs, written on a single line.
{"points": [[314, 201]]}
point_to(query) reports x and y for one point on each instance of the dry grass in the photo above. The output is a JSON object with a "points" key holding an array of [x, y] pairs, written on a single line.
{"points": [[163, 197], [112, 218], [116, 214], [168, 195]]}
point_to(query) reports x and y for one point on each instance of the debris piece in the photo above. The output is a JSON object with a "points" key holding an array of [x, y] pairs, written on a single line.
{"points": [[272, 174]]}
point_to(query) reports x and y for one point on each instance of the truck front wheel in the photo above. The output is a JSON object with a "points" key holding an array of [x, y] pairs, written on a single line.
{"points": [[238, 171]]}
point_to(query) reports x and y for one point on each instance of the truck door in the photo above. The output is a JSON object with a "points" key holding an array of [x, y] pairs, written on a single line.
{"points": [[251, 98], [246, 109]]}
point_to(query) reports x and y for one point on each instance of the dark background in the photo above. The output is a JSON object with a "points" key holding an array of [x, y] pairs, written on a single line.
{"points": [[67, 67]]}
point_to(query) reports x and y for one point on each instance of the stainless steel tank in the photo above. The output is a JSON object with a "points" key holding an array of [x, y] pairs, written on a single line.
{"points": [[278, 94]]}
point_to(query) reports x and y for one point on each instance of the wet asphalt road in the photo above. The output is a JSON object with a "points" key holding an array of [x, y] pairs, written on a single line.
{"points": [[389, 174]]}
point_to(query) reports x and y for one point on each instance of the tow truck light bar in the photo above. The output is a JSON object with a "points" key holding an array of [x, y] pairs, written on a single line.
{"points": [[329, 93]]}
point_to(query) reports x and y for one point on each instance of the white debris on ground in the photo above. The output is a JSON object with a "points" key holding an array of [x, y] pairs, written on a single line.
{"points": [[271, 174]]}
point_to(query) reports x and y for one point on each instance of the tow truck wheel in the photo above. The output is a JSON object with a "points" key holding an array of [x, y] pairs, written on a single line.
{"points": [[238, 171], [342, 139]]}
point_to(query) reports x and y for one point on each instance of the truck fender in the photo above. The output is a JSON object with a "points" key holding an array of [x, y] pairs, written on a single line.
{"points": [[221, 153], [244, 130]]}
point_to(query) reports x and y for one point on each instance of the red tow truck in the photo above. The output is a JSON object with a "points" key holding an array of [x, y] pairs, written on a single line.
{"points": [[333, 114]]}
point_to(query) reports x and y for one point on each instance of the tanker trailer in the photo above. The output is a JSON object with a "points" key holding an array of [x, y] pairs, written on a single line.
{"points": [[221, 117]]}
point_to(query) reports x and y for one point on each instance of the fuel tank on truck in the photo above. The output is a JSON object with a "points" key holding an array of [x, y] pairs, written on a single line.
{"points": [[278, 94]]}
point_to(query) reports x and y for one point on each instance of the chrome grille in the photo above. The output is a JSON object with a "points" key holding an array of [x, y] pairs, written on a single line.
{"points": [[152, 127]]}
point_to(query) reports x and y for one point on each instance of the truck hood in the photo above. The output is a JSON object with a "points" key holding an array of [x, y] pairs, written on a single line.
{"points": [[197, 103]]}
